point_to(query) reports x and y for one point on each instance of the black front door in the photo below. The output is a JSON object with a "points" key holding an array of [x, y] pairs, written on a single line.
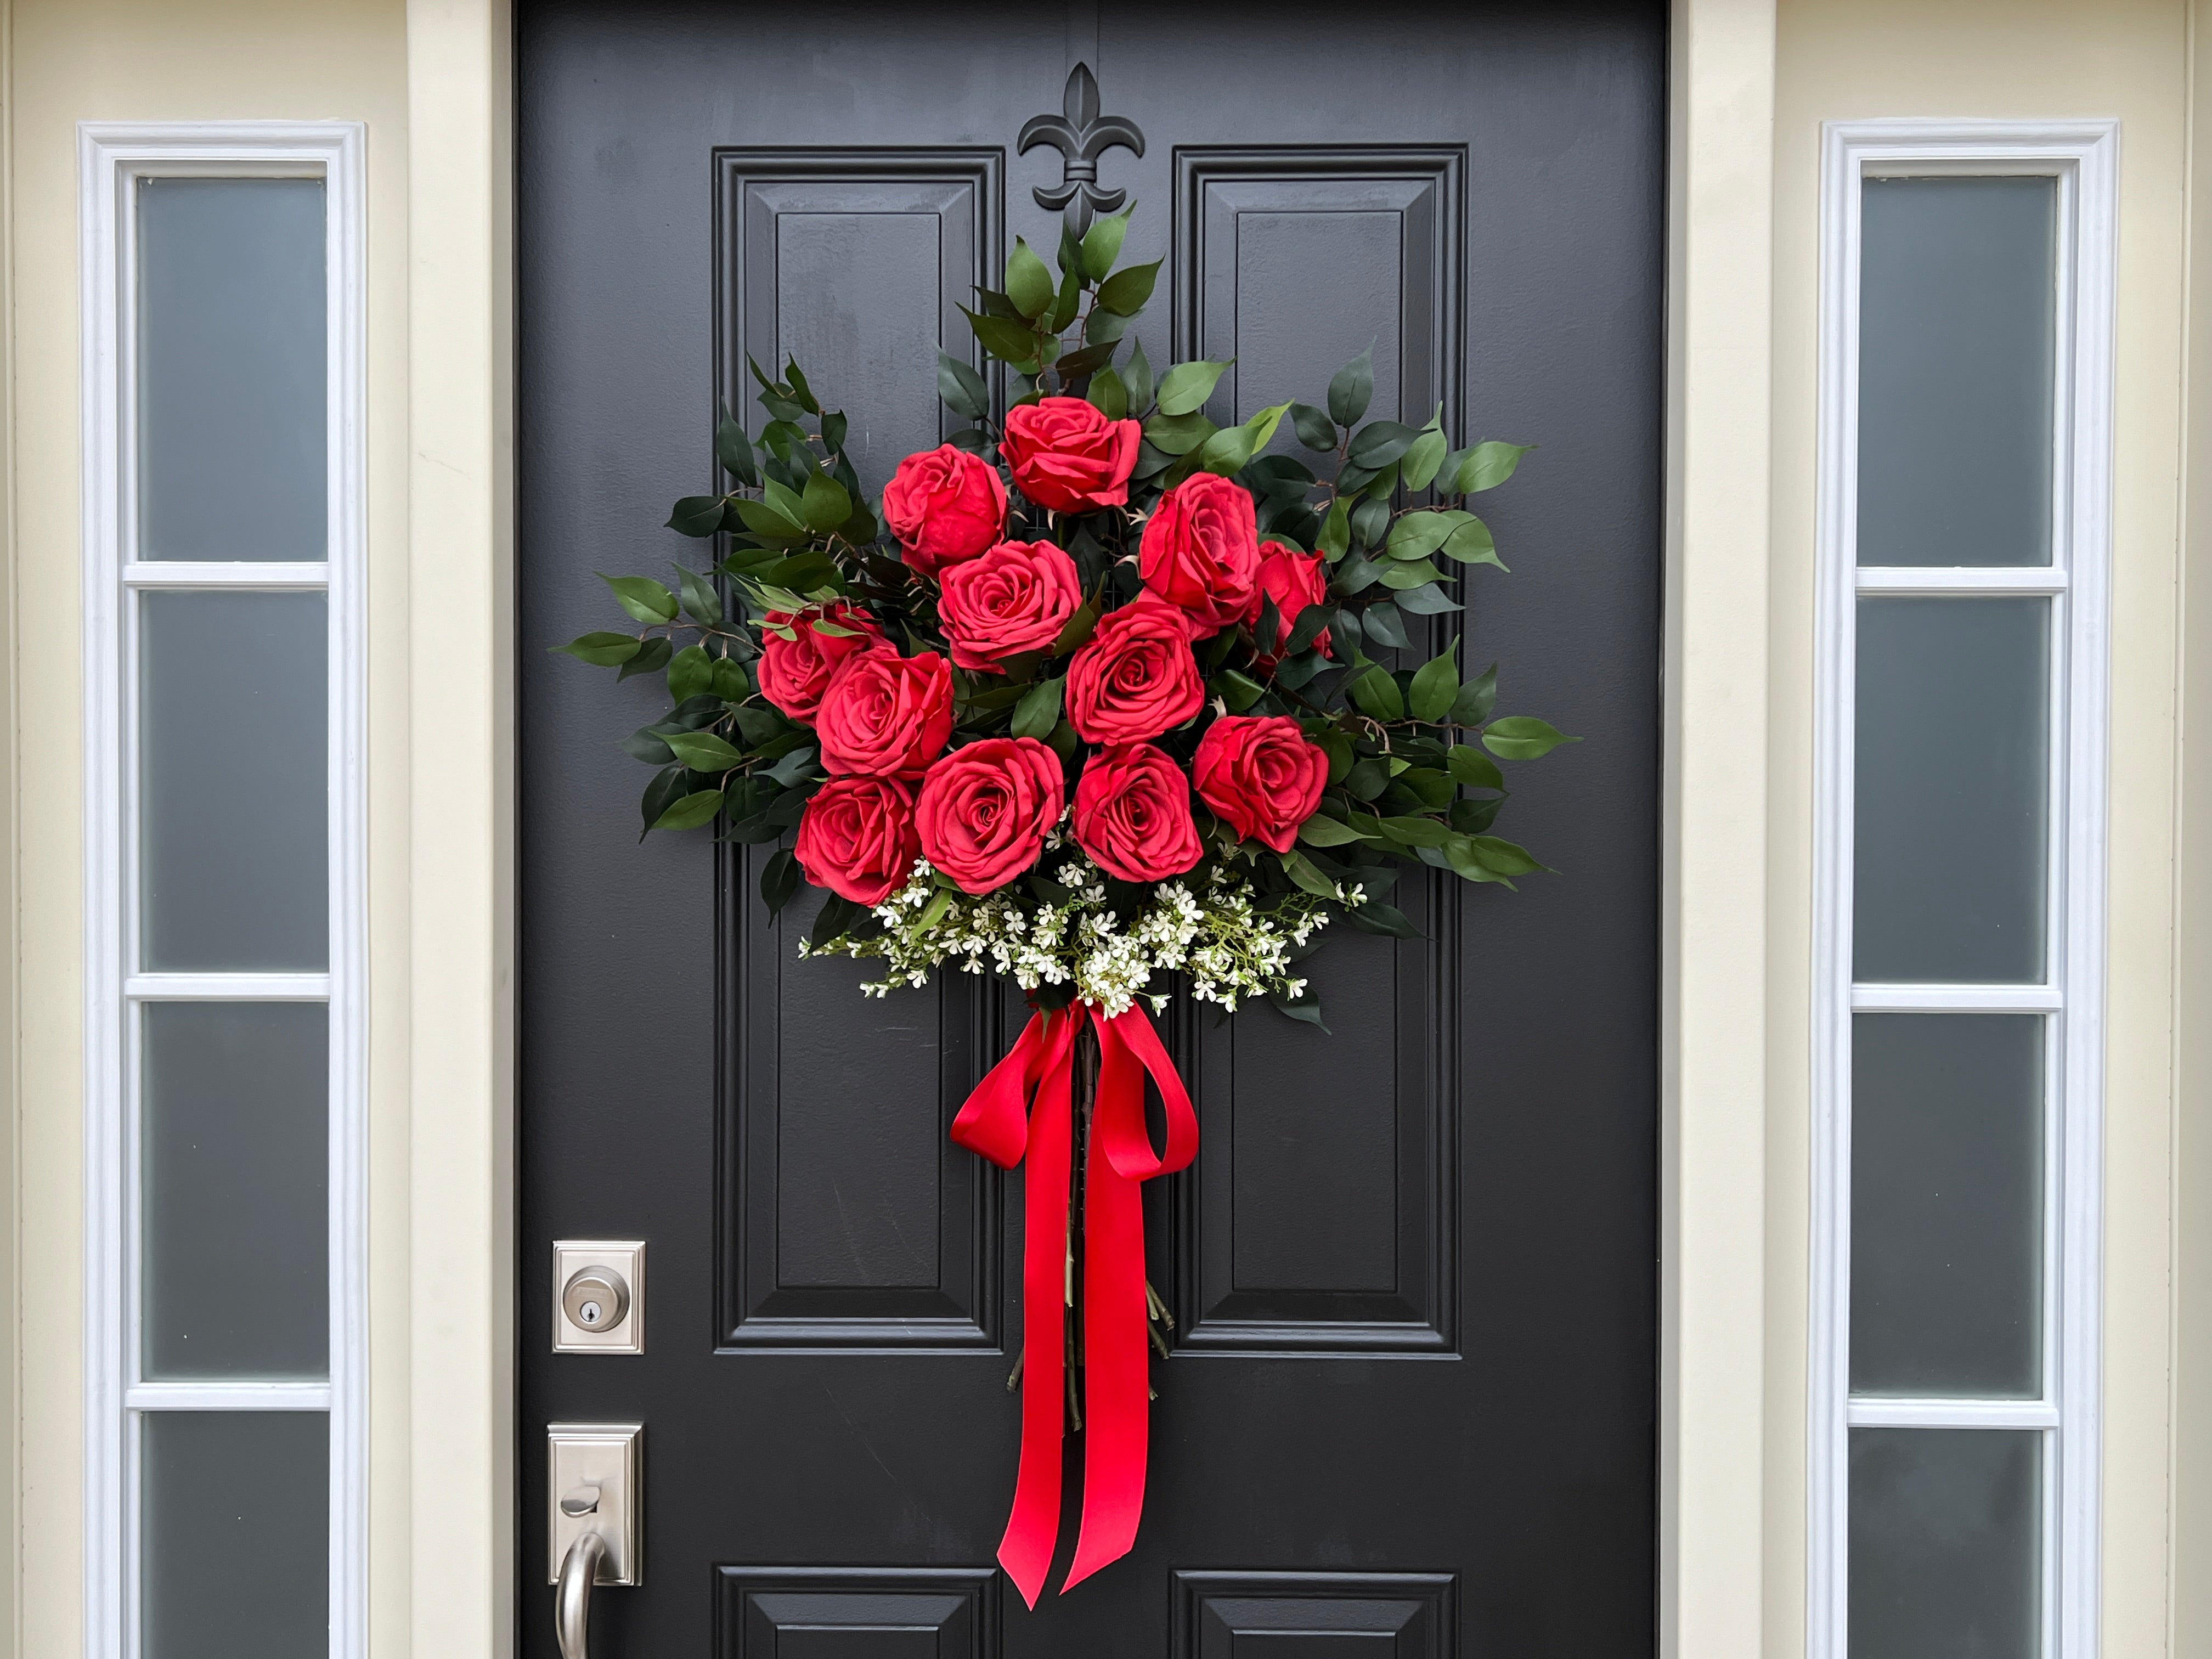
{"points": [[1410, 1408]]}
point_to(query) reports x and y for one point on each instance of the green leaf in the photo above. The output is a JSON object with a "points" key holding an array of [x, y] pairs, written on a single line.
{"points": [[1315, 430], [793, 767], [1138, 377], [1109, 396], [1379, 443], [1503, 856], [1028, 281], [646, 745], [1178, 435], [1103, 327], [1428, 601], [696, 515], [1102, 243], [651, 657], [1311, 622], [784, 503], [1038, 711], [1476, 698], [1436, 683], [1125, 292], [602, 649], [691, 673], [692, 811], [700, 598], [1185, 388], [1423, 460], [1378, 694], [1386, 919], [778, 879], [1352, 389], [1307, 1008], [1416, 832], [825, 503], [730, 681], [799, 389], [1418, 574], [1471, 544], [1417, 535], [1369, 518], [1523, 736], [962, 388], [1322, 830], [1239, 691], [733, 451], [764, 521], [642, 597], [1002, 337], [1300, 869], [703, 752], [1064, 308], [1367, 779], [1335, 531], [1473, 768], [1487, 466], [833, 427], [1385, 626], [1228, 452]]}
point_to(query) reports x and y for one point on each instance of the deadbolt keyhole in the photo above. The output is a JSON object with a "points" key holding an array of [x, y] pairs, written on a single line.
{"points": [[595, 1298]]}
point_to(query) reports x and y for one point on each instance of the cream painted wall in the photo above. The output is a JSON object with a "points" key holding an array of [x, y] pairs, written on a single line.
{"points": [[73, 60], [1847, 59]]}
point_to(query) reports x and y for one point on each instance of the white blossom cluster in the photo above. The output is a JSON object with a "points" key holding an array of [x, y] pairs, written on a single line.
{"points": [[1211, 929]]}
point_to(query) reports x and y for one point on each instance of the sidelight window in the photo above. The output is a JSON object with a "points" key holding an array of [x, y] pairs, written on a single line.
{"points": [[1958, 960], [223, 529]]}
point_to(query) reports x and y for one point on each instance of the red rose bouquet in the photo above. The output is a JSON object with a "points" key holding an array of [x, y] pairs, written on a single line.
{"points": [[1099, 693]]}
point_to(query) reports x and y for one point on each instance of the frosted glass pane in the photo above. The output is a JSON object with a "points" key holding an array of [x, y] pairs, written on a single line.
{"points": [[1947, 1204], [236, 1155], [1945, 1543], [237, 1535], [234, 782], [1952, 780], [1958, 309], [231, 369]]}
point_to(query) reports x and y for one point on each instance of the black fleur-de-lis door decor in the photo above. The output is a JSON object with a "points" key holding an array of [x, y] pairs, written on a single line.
{"points": [[1081, 134]]}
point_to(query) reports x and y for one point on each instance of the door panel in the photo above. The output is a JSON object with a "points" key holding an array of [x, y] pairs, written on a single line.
{"points": [[1410, 1408]]}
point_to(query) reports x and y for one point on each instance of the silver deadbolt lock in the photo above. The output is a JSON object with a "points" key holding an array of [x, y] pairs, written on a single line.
{"points": [[596, 1299], [599, 1296]]}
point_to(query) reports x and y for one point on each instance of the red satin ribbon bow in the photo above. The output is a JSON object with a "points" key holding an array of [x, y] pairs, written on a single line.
{"points": [[1000, 1123]]}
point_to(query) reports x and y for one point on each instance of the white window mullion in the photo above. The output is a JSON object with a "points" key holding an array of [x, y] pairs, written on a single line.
{"points": [[2063, 1417]]}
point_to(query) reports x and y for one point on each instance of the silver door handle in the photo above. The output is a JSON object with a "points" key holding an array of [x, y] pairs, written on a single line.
{"points": [[572, 1604]]}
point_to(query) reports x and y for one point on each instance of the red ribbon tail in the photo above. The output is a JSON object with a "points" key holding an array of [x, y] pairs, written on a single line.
{"points": [[1116, 1370], [1033, 1528]]}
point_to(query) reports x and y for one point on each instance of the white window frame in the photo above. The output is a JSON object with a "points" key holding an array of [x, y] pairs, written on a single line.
{"points": [[112, 157], [2080, 155]]}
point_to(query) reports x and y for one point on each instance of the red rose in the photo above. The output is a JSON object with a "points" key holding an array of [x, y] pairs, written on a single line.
{"points": [[885, 715], [857, 837], [984, 810], [945, 505], [1260, 775], [1012, 598], [795, 673], [1132, 814], [1293, 580], [1201, 551], [1069, 458], [1136, 675]]}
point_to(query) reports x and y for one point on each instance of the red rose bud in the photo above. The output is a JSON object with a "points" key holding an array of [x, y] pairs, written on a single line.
{"points": [[985, 809], [1260, 775], [795, 673], [1293, 580], [1201, 552], [1069, 458], [1132, 814], [1012, 598], [1135, 677], [885, 715], [945, 505], [857, 837]]}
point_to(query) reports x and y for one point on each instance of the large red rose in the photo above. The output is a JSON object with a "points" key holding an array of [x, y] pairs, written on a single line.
{"points": [[945, 505], [1132, 814], [1201, 551], [885, 715], [1069, 458], [857, 837], [985, 809], [1260, 775], [1012, 598], [1136, 675], [1293, 580], [795, 673]]}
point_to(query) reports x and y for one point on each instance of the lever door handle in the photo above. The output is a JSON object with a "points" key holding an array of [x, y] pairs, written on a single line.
{"points": [[572, 1604]]}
